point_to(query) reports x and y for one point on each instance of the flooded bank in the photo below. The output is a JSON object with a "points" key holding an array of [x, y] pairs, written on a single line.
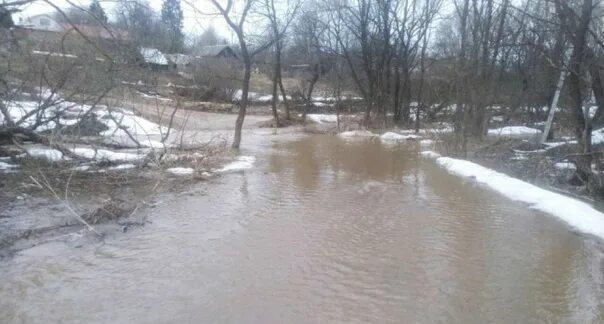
{"points": [[321, 229]]}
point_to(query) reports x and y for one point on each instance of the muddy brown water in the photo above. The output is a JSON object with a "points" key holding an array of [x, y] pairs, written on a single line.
{"points": [[320, 231]]}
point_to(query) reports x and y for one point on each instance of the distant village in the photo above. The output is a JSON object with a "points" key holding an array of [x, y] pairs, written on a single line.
{"points": [[46, 33]]}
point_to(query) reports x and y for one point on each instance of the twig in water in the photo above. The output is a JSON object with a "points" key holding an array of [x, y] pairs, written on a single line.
{"points": [[46, 184]]}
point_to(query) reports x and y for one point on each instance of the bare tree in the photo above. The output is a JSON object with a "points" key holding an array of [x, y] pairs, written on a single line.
{"points": [[236, 22], [279, 22]]}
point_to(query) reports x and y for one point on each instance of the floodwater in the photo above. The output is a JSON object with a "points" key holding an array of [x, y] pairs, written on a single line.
{"points": [[320, 231]]}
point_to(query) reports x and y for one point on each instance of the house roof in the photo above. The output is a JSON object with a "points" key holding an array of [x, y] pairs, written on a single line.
{"points": [[179, 59], [153, 56], [213, 50], [63, 27]]}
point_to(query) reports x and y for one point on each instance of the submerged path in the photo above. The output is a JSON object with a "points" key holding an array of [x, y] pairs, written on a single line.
{"points": [[320, 230]]}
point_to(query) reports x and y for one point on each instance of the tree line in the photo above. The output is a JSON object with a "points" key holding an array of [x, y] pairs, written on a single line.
{"points": [[411, 59]]}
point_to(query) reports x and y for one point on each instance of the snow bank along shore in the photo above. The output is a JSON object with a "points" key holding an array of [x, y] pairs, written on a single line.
{"points": [[575, 213]]}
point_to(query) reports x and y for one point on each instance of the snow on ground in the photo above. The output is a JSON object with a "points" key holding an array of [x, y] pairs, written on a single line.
{"points": [[428, 131], [53, 54], [357, 133], [322, 119], [84, 167], [7, 167], [597, 136], [120, 167], [119, 121], [394, 137], [321, 104], [514, 131], [328, 99], [241, 163], [24, 114], [565, 166], [180, 171], [426, 142], [391, 136], [143, 130], [253, 96], [551, 145], [156, 97], [576, 213], [43, 152], [106, 155], [429, 154]]}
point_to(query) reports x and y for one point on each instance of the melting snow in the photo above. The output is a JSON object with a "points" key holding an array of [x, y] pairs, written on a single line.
{"points": [[241, 163], [321, 119], [426, 142], [120, 167], [357, 133], [106, 155], [7, 166], [391, 136], [512, 131], [565, 166], [576, 213], [156, 97], [180, 171], [597, 136], [39, 151], [429, 154]]}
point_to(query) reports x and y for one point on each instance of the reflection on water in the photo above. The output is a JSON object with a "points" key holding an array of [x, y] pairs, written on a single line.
{"points": [[321, 231]]}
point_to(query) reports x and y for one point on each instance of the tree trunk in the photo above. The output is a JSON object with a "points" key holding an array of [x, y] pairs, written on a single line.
{"points": [[577, 62], [285, 102], [275, 99], [460, 85], [552, 108], [243, 104], [313, 80], [276, 75]]}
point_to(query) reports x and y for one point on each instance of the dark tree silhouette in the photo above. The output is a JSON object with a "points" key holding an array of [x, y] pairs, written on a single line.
{"points": [[171, 17], [97, 12]]}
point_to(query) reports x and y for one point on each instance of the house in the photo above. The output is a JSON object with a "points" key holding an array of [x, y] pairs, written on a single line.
{"points": [[48, 23], [43, 22], [217, 51], [179, 60], [154, 58], [47, 34]]}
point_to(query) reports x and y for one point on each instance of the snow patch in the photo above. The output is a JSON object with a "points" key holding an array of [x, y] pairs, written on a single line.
{"points": [[322, 119], [126, 166], [357, 133], [81, 168], [53, 54], [180, 171], [105, 155], [7, 166], [429, 154], [391, 136], [597, 136], [551, 145], [156, 97], [426, 142], [514, 131], [241, 163], [577, 214], [428, 131], [565, 166], [44, 152]]}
